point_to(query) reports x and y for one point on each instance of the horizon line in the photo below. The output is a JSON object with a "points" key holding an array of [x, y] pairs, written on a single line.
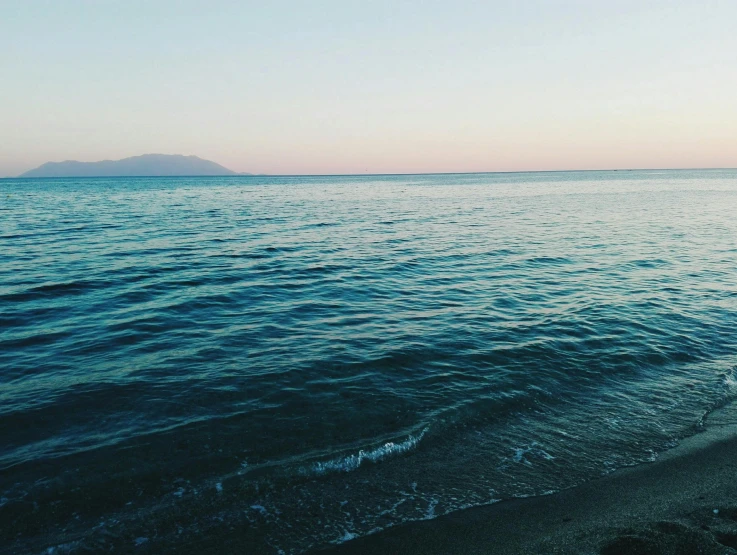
{"points": [[393, 174]]}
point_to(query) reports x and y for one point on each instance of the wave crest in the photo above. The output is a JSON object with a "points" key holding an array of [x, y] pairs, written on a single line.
{"points": [[354, 461]]}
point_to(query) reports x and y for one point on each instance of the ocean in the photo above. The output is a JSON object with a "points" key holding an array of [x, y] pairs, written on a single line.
{"points": [[278, 364]]}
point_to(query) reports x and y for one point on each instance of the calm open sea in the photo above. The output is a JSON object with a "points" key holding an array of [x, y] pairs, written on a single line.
{"points": [[281, 363]]}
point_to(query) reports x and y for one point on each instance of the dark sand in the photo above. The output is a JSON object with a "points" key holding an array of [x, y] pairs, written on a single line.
{"points": [[665, 507]]}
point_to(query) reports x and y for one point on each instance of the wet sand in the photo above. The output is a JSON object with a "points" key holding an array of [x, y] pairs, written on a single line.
{"points": [[683, 503]]}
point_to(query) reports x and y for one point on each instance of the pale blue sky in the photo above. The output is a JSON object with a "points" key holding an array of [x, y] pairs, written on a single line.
{"points": [[377, 86]]}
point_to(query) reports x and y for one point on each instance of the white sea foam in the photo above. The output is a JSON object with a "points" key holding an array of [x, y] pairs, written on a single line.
{"points": [[63, 548], [347, 536], [730, 380], [521, 453], [430, 512], [729, 392], [353, 461]]}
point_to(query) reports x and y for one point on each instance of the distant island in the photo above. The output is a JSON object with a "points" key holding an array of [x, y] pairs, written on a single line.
{"points": [[135, 166]]}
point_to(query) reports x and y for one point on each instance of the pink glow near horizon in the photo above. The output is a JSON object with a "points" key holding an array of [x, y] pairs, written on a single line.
{"points": [[402, 87]]}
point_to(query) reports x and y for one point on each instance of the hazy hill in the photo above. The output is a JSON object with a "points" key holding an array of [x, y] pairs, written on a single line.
{"points": [[145, 165]]}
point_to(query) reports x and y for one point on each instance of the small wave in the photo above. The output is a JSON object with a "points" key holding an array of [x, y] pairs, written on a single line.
{"points": [[354, 461], [522, 454], [347, 536], [728, 384], [729, 380], [548, 260]]}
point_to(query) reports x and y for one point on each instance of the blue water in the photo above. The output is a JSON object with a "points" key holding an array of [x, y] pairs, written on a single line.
{"points": [[277, 364]]}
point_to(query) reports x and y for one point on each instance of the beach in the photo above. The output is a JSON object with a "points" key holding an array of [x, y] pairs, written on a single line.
{"points": [[683, 503]]}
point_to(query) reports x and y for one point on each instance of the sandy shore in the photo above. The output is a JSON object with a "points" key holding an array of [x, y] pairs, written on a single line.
{"points": [[684, 503]]}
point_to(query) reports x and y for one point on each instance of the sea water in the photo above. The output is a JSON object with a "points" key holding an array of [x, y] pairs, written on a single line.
{"points": [[283, 363]]}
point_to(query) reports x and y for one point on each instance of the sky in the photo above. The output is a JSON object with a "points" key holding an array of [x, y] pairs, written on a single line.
{"points": [[336, 87]]}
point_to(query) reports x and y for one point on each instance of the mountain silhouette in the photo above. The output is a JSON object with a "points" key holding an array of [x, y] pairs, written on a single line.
{"points": [[145, 165]]}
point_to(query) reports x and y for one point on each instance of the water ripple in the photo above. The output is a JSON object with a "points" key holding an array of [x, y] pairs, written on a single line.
{"points": [[310, 359]]}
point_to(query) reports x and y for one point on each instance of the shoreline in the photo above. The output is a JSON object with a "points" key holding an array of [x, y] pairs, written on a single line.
{"points": [[683, 502]]}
